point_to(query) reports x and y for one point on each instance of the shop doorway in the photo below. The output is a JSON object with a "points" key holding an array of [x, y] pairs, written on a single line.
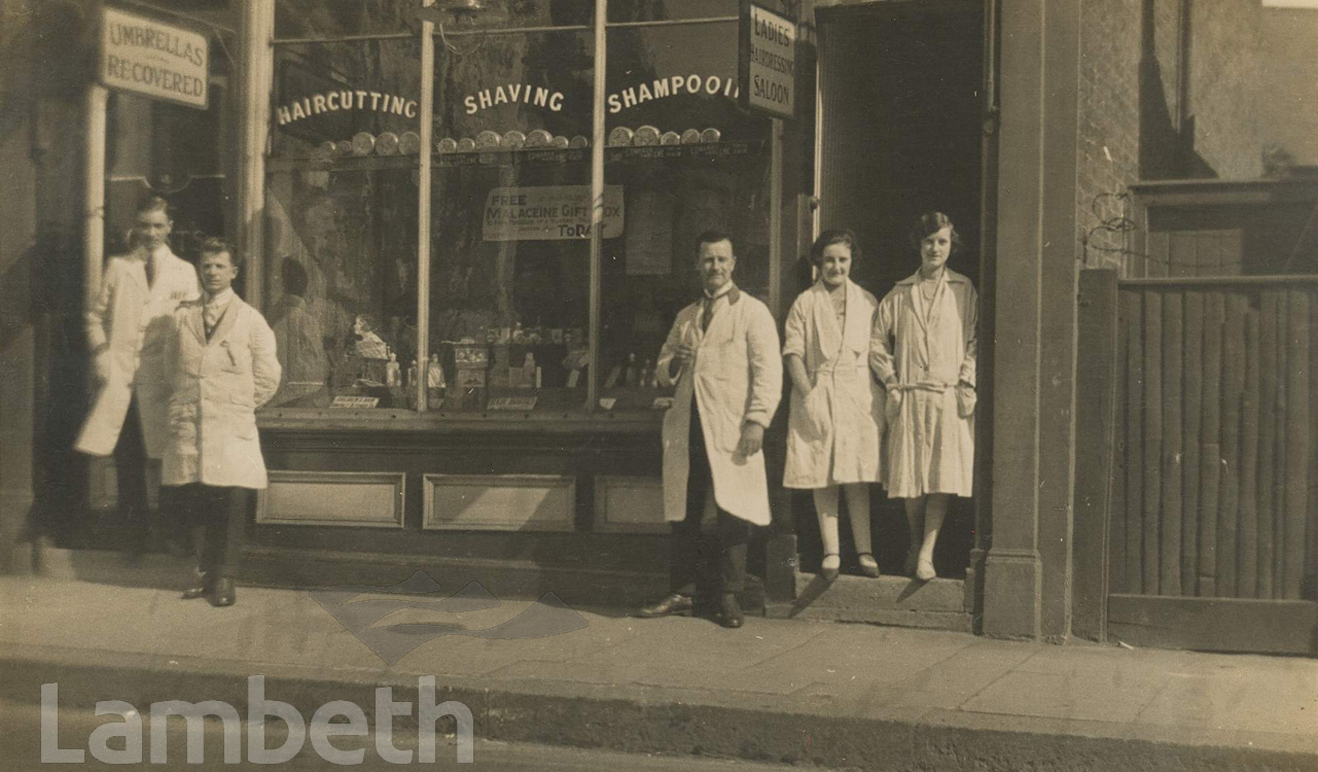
{"points": [[899, 134], [185, 154]]}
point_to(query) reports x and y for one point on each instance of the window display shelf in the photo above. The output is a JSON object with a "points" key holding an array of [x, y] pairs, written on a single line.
{"points": [[558, 421], [716, 150], [346, 164], [711, 151]]}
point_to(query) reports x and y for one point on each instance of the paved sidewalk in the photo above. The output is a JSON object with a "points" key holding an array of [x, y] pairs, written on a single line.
{"points": [[829, 694]]}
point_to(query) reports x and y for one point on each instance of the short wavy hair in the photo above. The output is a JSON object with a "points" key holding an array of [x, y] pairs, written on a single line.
{"points": [[714, 236], [933, 222], [834, 236], [154, 203], [214, 245]]}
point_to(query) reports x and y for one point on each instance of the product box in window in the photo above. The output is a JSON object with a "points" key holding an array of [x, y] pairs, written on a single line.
{"points": [[471, 356]]}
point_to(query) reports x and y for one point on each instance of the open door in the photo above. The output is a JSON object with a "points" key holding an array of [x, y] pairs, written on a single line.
{"points": [[898, 134]]}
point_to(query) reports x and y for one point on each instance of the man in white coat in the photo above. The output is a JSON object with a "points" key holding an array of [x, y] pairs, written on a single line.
{"points": [[127, 326], [722, 354], [222, 356]]}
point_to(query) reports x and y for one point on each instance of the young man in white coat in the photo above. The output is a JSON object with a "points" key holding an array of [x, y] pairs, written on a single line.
{"points": [[127, 327], [222, 354], [722, 354]]}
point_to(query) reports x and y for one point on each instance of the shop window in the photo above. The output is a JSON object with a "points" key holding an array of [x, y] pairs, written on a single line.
{"points": [[622, 11], [505, 311], [341, 223], [686, 159], [510, 247], [333, 18]]}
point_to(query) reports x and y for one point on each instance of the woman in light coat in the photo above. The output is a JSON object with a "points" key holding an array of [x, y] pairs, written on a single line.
{"points": [[836, 420], [224, 366], [923, 350]]}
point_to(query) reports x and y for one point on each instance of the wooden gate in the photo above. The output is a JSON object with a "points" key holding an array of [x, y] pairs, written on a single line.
{"points": [[1207, 397]]}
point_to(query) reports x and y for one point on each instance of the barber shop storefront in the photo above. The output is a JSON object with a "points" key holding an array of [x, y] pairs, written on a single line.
{"points": [[471, 224], [468, 345]]}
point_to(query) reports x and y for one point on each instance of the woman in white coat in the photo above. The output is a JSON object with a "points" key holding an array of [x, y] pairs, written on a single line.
{"points": [[836, 420], [923, 350], [224, 366]]}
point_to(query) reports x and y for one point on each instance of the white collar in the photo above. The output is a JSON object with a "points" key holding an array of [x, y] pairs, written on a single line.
{"points": [[221, 299], [727, 287]]}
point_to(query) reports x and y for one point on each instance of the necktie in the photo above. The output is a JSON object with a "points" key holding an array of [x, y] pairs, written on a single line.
{"points": [[707, 314], [210, 318], [150, 271]]}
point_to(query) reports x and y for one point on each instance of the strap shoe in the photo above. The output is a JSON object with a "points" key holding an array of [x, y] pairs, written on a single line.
{"points": [[200, 587]]}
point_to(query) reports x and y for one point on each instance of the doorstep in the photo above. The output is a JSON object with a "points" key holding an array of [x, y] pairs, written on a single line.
{"points": [[888, 600]]}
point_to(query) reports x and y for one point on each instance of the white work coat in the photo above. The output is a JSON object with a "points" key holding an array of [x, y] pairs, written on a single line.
{"points": [[927, 350], [833, 431], [217, 386], [735, 377], [128, 324]]}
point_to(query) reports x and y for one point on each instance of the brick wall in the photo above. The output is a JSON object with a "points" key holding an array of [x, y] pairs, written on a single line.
{"points": [[1130, 116], [1225, 58], [1290, 72], [1107, 147]]}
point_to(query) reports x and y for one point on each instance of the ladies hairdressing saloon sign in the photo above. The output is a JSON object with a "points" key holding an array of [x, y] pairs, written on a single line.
{"points": [[158, 60], [767, 61], [548, 213]]}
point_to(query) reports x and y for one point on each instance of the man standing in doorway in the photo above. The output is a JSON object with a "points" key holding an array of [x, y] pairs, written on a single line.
{"points": [[723, 356], [223, 365], [128, 325]]}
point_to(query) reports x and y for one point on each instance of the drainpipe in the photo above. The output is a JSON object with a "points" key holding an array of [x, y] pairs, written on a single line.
{"points": [[988, 239]]}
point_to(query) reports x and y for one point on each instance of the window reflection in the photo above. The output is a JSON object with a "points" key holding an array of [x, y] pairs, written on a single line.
{"points": [[341, 215], [688, 159], [510, 256]]}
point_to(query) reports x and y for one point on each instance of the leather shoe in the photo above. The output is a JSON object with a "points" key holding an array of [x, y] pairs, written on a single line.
{"points": [[224, 594], [197, 589], [730, 614], [673, 604]]}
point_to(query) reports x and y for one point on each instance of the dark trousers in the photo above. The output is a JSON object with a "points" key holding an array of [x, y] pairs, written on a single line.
{"points": [[217, 518], [693, 550], [130, 467]]}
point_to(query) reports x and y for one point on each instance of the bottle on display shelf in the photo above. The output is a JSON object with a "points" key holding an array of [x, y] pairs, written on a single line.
{"points": [[633, 376], [647, 374], [392, 376], [529, 370], [435, 373], [412, 374]]}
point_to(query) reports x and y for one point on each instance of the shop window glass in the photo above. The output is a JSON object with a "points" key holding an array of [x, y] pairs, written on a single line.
{"points": [[649, 10], [341, 223], [687, 160], [510, 253], [333, 18]]}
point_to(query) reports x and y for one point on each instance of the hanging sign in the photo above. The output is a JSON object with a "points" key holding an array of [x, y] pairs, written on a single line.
{"points": [[158, 60], [767, 61], [548, 213]]}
